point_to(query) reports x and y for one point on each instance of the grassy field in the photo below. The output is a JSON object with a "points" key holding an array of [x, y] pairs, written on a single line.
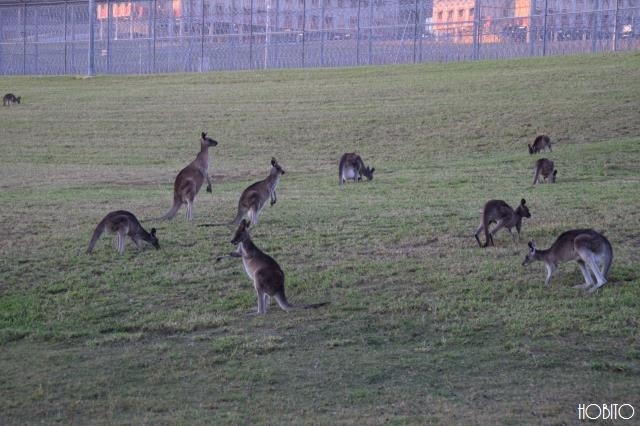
{"points": [[423, 326]]}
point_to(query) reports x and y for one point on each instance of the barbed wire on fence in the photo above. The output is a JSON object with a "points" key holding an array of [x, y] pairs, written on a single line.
{"points": [[156, 36]]}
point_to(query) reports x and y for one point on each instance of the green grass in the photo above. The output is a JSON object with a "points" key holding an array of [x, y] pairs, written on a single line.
{"points": [[423, 326]]}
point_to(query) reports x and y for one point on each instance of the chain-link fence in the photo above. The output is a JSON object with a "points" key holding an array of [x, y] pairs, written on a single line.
{"points": [[151, 36]]}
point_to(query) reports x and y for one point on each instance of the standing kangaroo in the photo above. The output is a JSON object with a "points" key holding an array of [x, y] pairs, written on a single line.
{"points": [[504, 216], [10, 99], [123, 223], [267, 276], [254, 198], [540, 143], [351, 166], [190, 180], [544, 168], [586, 246]]}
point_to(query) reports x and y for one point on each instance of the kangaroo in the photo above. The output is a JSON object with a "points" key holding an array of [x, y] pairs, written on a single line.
{"points": [[540, 144], [123, 223], [267, 276], [504, 216], [544, 168], [10, 99], [352, 167], [586, 246], [190, 180], [254, 198]]}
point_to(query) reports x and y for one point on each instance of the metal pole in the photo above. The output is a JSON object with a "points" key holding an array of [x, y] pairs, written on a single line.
{"points": [[415, 33], [304, 27], [358, 37], [91, 70], [66, 12], [476, 30], [251, 36], [24, 39], [594, 26], [615, 27], [202, 27], [544, 30], [530, 32]]}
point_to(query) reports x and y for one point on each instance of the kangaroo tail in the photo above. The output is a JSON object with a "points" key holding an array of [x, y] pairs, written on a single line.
{"points": [[286, 306], [314, 305], [97, 233], [216, 224], [177, 202], [283, 302], [608, 259]]}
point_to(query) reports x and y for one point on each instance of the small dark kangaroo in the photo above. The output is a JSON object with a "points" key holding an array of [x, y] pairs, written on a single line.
{"points": [[10, 99], [589, 248], [264, 271], [504, 216], [351, 167], [190, 180], [540, 143], [544, 168], [123, 223]]}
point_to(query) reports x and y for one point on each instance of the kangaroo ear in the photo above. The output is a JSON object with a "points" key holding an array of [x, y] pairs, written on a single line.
{"points": [[373, 169], [203, 135], [273, 161], [532, 245], [523, 202], [555, 172], [245, 223], [153, 231]]}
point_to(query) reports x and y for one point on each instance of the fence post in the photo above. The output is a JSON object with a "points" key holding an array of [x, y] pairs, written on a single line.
{"points": [[615, 26], [202, 27], [251, 35], [476, 30], [358, 37], [91, 69], [24, 39], [415, 32], [304, 28], [544, 29]]}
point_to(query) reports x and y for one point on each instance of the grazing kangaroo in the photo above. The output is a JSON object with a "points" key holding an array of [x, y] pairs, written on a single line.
{"points": [[586, 246], [544, 168], [540, 144], [351, 166], [254, 198], [123, 223], [10, 99], [190, 180], [504, 216], [267, 276]]}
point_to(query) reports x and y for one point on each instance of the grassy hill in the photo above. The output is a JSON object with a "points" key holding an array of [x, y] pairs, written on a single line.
{"points": [[423, 326]]}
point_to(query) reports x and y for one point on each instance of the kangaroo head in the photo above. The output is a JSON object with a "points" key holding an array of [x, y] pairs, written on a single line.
{"points": [[207, 141], [529, 258], [242, 233], [154, 240], [368, 172], [522, 209], [275, 165]]}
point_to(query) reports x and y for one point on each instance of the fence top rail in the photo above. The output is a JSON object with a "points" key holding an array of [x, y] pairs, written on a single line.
{"points": [[14, 3]]}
